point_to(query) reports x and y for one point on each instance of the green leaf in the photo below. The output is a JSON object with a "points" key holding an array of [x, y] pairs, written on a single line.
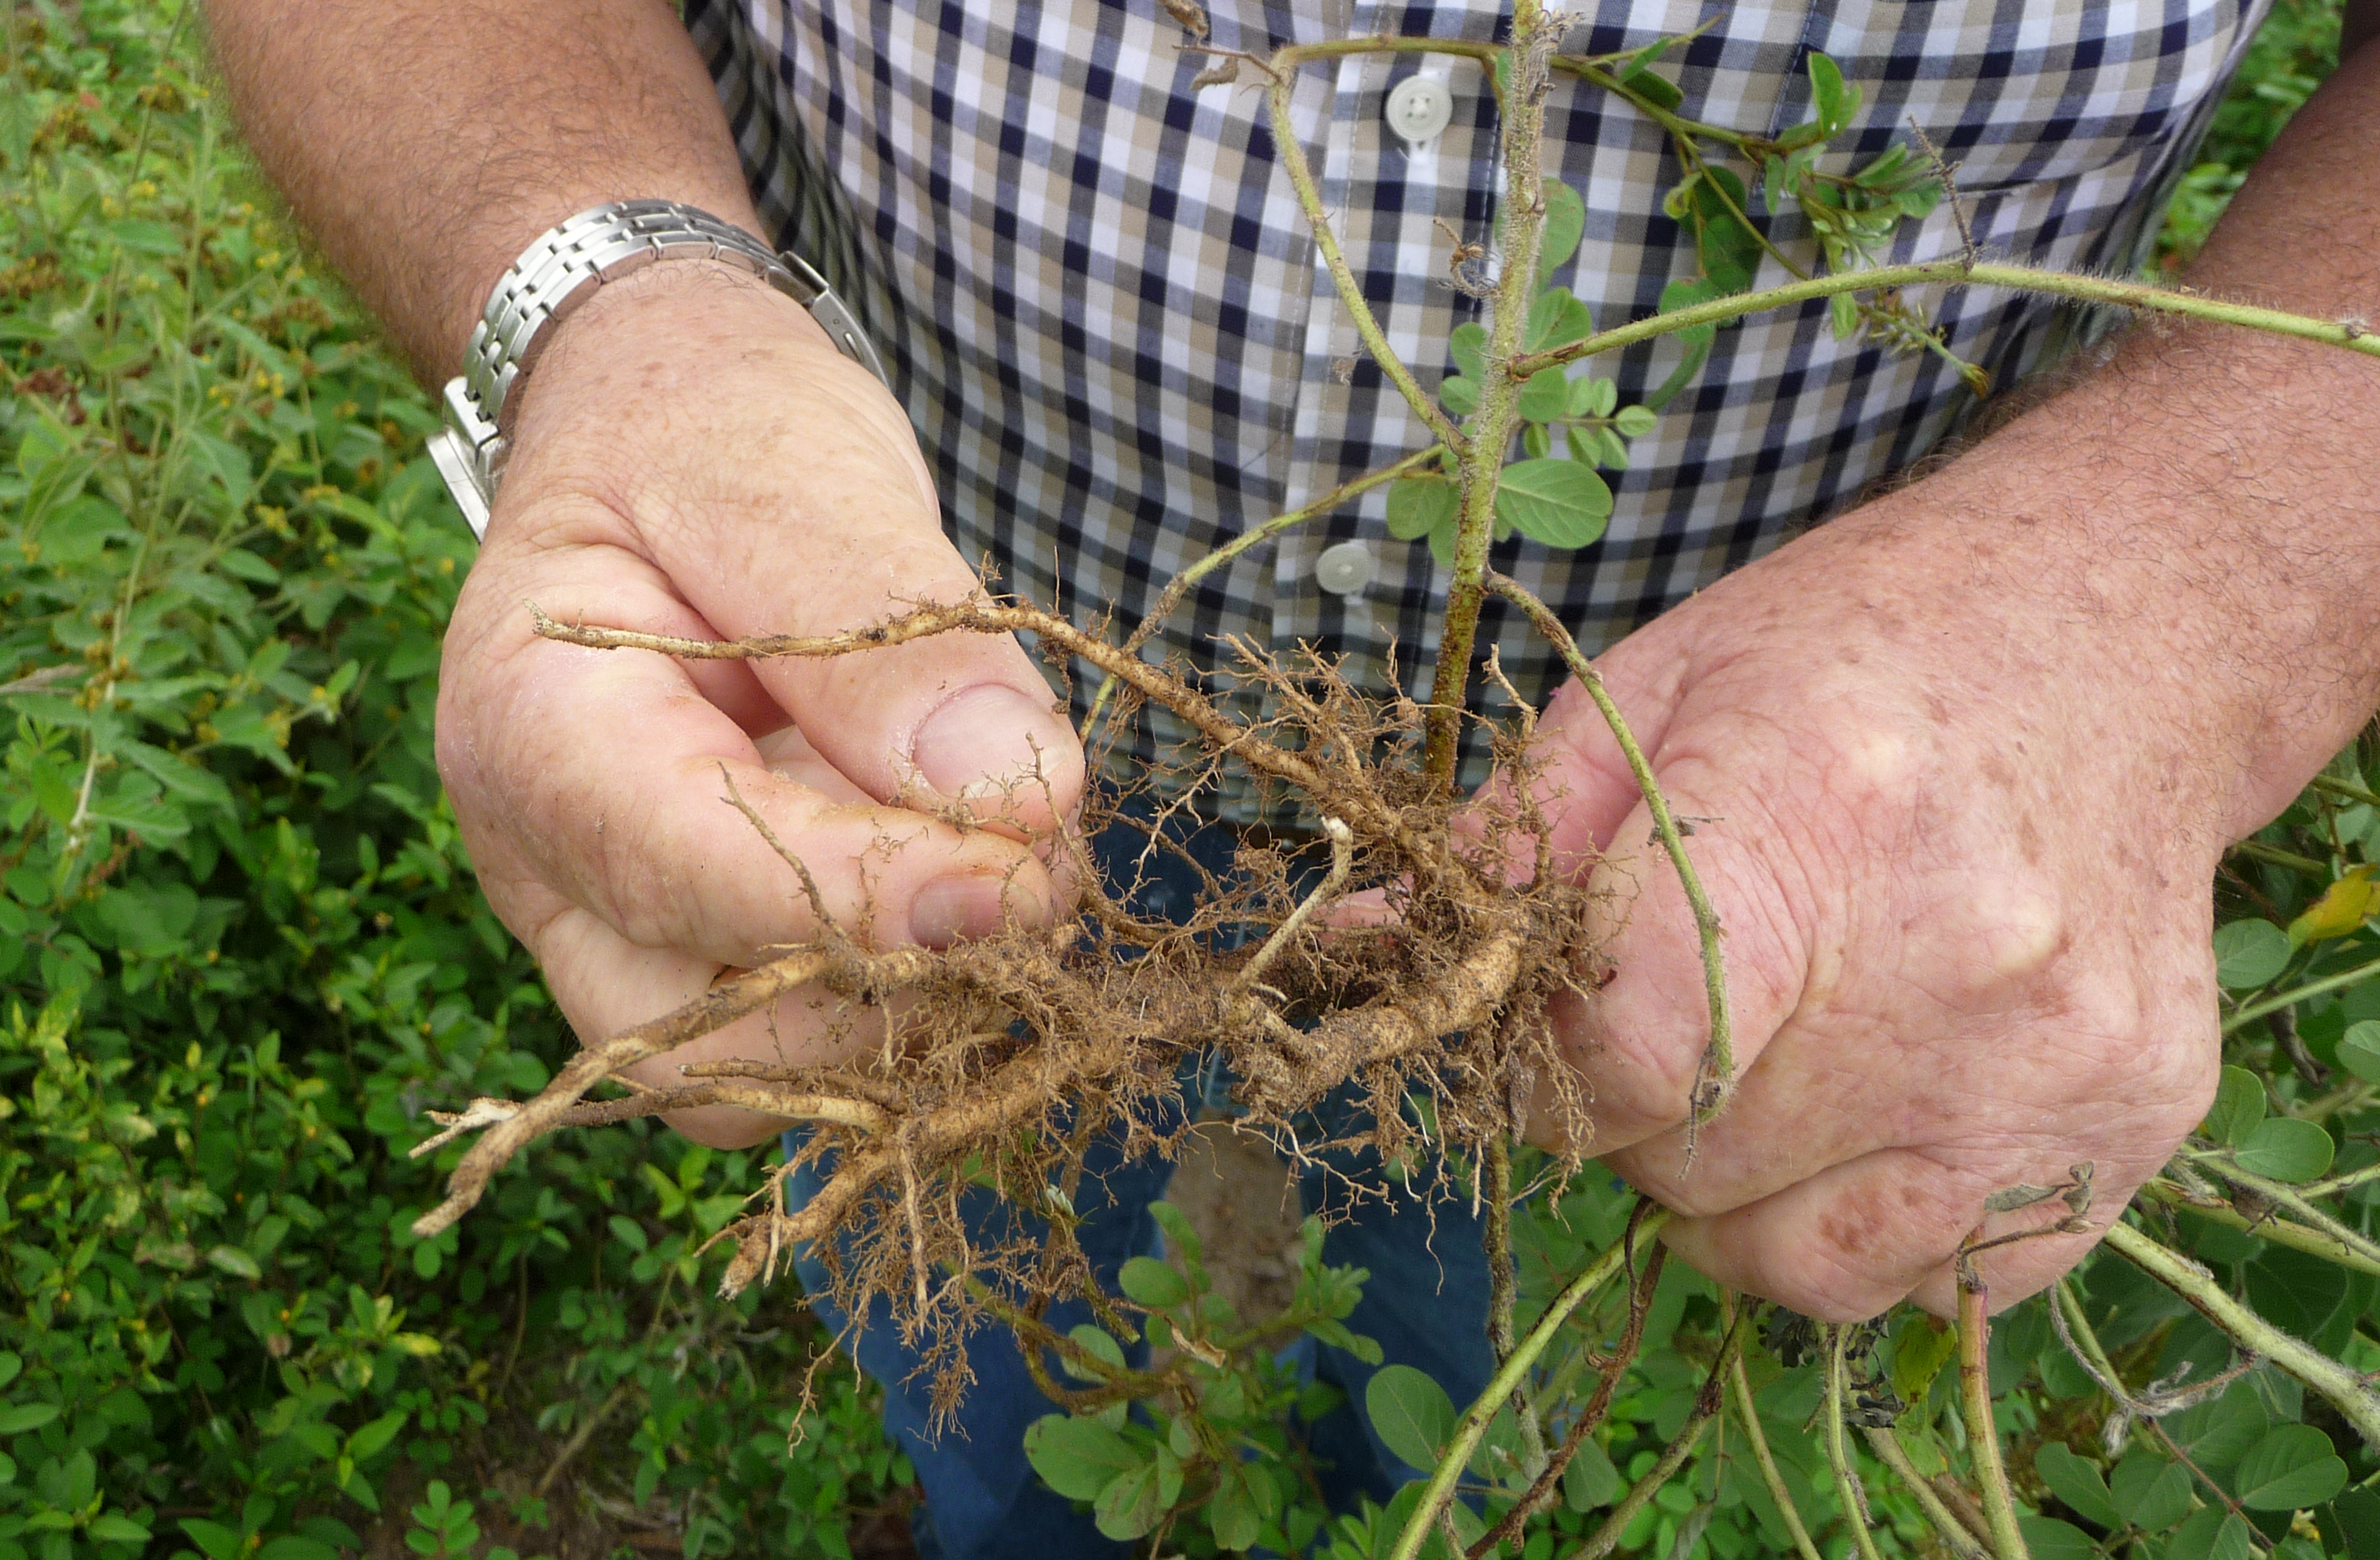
{"points": [[1842, 313], [2285, 1149], [296, 1546], [10, 1365], [1178, 1229], [110, 1526], [1147, 1282], [2152, 1492], [1555, 318], [2250, 953], [2239, 1106], [2048, 1538], [2359, 1049], [1635, 422], [215, 1540], [369, 1439], [1078, 1457], [1728, 250], [1656, 90], [1094, 1342], [1557, 502], [1565, 225], [1597, 447], [1231, 1514], [1536, 443], [1418, 506], [628, 1232], [1410, 1412], [2294, 1466], [2077, 1480], [1135, 1502], [2212, 1533], [1546, 396], [1459, 394], [1919, 1352], [1468, 349], [1591, 397], [1833, 102], [19, 1418], [1590, 1481]]}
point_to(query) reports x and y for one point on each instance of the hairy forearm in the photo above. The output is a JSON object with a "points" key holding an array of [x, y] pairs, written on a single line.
{"points": [[2184, 544], [425, 143]]}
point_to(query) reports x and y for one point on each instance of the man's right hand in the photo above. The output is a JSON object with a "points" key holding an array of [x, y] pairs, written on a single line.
{"points": [[693, 457]]}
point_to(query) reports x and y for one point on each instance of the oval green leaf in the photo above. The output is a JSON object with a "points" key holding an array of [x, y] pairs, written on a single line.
{"points": [[1418, 506], [2285, 1149], [2294, 1466], [2359, 1049], [2250, 953], [1078, 1457], [1565, 225], [2239, 1106], [1546, 396], [1148, 1282], [1410, 1412], [2076, 1481], [1557, 502]]}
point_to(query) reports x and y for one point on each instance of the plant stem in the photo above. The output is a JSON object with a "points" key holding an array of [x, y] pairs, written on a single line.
{"points": [[1509, 1376], [1605, 1538], [1179, 587], [2342, 788], [2254, 1011], [1976, 1401], [1957, 271], [1887, 1446], [1839, 1458], [2345, 1245], [1502, 1289], [2280, 1232], [1292, 153], [2257, 851], [1497, 419], [1739, 1383], [2344, 1390], [1718, 1060]]}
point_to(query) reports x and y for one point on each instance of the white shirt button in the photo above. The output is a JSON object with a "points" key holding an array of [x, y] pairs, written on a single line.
{"points": [[1419, 107], [1344, 568]]}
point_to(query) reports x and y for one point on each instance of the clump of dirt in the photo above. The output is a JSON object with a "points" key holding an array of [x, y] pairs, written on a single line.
{"points": [[1014, 1053]]}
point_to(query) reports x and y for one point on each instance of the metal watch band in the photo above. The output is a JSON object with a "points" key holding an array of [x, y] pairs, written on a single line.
{"points": [[558, 273]]}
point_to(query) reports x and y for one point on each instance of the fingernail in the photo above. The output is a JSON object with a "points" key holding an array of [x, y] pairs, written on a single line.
{"points": [[984, 738], [951, 910]]}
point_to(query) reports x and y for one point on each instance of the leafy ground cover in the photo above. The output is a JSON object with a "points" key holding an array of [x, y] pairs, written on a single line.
{"points": [[242, 954]]}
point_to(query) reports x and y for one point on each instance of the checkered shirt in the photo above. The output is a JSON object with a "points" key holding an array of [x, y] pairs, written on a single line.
{"points": [[1110, 324]]}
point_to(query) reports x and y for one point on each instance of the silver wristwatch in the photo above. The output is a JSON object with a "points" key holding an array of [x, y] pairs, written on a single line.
{"points": [[559, 272]]}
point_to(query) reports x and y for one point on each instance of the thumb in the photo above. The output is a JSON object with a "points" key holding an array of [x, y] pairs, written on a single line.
{"points": [[956, 719]]}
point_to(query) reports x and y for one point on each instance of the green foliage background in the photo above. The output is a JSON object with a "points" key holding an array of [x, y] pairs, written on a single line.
{"points": [[241, 952]]}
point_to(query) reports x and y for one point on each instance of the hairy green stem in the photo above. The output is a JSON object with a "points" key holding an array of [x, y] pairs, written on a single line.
{"points": [[1956, 271], [1839, 1457], [2341, 789], [2344, 1390], [2280, 1232], [1507, 1378], [2256, 1010], [1886, 1445], [1718, 1060], [2256, 850], [2345, 1245], [1976, 1401], [1342, 276], [1498, 419], [1740, 1387]]}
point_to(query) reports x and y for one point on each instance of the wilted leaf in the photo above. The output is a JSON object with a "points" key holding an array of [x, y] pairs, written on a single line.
{"points": [[2343, 908]]}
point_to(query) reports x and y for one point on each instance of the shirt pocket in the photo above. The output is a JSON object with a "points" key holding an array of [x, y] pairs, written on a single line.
{"points": [[2018, 93]]}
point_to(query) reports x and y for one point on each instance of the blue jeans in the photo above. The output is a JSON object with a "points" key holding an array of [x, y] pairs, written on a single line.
{"points": [[1426, 1304]]}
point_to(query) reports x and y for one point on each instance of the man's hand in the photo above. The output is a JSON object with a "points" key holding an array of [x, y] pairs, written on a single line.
{"points": [[693, 457], [1971, 755]]}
